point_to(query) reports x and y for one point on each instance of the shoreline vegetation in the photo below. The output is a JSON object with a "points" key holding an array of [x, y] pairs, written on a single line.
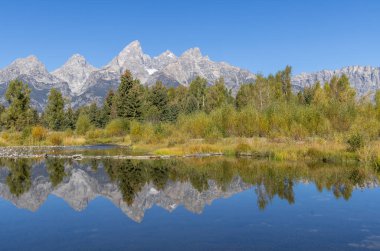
{"points": [[265, 119], [279, 149]]}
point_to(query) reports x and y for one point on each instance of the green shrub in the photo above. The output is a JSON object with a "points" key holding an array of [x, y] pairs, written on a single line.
{"points": [[83, 124], [95, 133], [242, 148], [355, 142], [212, 135], [117, 127], [136, 131], [26, 132]]}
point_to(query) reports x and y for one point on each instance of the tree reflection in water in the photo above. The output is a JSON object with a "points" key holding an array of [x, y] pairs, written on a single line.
{"points": [[269, 179], [18, 179], [56, 170]]}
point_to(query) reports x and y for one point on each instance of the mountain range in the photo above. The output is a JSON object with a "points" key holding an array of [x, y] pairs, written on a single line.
{"points": [[82, 83]]}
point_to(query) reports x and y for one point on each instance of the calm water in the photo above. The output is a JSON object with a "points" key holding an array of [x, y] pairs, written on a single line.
{"points": [[189, 204]]}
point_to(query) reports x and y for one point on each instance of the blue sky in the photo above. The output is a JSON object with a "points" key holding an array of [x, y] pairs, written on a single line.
{"points": [[261, 36]]}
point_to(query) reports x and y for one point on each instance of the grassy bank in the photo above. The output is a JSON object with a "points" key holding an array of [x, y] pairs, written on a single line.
{"points": [[334, 150]]}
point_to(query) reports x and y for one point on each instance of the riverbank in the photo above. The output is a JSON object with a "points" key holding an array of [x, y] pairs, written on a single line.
{"points": [[279, 149]]}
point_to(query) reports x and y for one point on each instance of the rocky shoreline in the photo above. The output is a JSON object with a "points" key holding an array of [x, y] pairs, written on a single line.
{"points": [[35, 152]]}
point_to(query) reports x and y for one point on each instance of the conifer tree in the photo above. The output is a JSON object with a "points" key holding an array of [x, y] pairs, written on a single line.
{"points": [[133, 105], [107, 108], [126, 84], [54, 112], [19, 114], [70, 119], [158, 97], [95, 115]]}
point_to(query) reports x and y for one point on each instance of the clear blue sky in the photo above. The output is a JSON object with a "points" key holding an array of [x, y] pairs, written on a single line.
{"points": [[262, 36]]}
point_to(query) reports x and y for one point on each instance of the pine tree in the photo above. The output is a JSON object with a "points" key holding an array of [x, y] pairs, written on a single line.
{"points": [[19, 114], [133, 104], [95, 115], [70, 119], [158, 97], [126, 84], [54, 113], [107, 108]]}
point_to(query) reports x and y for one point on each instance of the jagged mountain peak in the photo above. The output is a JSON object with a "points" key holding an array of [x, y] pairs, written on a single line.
{"points": [[29, 67], [130, 57], [134, 44], [133, 48], [30, 58], [77, 58], [74, 61], [75, 72], [167, 54], [28, 62], [193, 52]]}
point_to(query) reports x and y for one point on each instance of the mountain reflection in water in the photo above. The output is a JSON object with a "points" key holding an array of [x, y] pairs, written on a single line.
{"points": [[135, 186]]}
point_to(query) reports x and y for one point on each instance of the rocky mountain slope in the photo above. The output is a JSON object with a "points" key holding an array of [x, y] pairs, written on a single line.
{"points": [[83, 83], [75, 72], [33, 72], [365, 79]]}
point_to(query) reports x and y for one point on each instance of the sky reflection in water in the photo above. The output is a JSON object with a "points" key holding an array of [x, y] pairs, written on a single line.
{"points": [[191, 204]]}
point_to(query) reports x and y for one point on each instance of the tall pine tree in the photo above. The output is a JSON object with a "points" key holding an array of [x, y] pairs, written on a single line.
{"points": [[126, 84], [54, 113], [19, 114]]}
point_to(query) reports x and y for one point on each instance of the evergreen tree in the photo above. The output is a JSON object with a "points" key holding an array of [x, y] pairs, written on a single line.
{"points": [[95, 115], [244, 95], [191, 104], [54, 112], [126, 84], [70, 119], [178, 97], [19, 114], [158, 97], [134, 103], [107, 108]]}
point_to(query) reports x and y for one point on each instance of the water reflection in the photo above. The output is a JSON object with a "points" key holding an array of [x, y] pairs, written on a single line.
{"points": [[135, 186]]}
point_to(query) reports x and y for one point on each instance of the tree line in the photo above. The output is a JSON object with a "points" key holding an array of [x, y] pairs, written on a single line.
{"points": [[267, 107]]}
